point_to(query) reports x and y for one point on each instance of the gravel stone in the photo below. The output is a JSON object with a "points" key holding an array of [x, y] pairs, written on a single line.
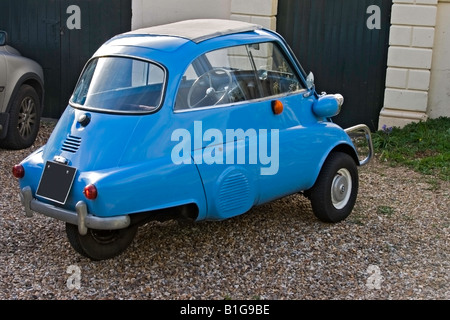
{"points": [[395, 245]]}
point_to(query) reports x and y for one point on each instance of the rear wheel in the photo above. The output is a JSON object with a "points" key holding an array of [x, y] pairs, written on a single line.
{"points": [[24, 119], [334, 194], [100, 244]]}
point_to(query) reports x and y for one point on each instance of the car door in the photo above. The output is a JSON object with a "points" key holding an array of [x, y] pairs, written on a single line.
{"points": [[287, 106], [246, 151]]}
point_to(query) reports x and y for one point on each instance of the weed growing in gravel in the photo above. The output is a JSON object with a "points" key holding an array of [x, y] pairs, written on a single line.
{"points": [[423, 146], [385, 210]]}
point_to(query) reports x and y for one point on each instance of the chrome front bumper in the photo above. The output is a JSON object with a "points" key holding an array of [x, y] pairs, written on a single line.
{"points": [[362, 140], [80, 217]]}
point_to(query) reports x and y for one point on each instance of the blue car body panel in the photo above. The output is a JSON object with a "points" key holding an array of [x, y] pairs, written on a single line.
{"points": [[128, 156]]}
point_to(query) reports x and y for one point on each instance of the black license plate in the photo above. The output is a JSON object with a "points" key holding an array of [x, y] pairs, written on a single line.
{"points": [[56, 182]]}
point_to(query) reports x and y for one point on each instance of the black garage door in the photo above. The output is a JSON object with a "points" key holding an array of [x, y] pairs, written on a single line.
{"points": [[345, 44], [62, 35]]}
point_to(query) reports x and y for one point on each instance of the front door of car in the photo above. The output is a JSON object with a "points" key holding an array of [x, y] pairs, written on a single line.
{"points": [[248, 112]]}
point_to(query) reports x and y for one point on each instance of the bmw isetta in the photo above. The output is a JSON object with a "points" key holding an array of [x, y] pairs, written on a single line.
{"points": [[194, 120]]}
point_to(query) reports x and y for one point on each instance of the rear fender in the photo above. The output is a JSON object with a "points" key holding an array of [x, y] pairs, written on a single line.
{"points": [[147, 187]]}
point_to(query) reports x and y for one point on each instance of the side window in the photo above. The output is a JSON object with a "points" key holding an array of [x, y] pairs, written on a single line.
{"points": [[236, 74], [219, 77], [275, 73]]}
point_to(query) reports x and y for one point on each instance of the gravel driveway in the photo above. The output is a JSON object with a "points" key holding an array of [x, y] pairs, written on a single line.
{"points": [[395, 245]]}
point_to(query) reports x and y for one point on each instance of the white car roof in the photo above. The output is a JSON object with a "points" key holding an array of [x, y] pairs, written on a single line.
{"points": [[198, 30]]}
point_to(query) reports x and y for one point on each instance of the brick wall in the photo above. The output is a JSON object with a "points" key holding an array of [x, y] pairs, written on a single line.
{"points": [[439, 94], [409, 62], [262, 12]]}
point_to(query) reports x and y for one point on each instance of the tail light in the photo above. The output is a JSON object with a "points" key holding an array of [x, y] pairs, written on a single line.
{"points": [[18, 171], [90, 192]]}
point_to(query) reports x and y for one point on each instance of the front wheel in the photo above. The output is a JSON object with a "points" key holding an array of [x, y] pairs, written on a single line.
{"points": [[100, 244], [334, 194]]}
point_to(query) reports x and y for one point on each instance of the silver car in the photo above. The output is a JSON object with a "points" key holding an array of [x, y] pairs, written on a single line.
{"points": [[21, 97]]}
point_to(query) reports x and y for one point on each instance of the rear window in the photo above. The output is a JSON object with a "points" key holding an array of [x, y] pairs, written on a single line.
{"points": [[120, 84]]}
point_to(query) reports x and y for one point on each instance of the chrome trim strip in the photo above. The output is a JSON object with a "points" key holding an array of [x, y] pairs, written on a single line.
{"points": [[235, 104]]}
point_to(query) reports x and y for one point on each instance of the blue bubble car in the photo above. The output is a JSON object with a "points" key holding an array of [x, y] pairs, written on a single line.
{"points": [[197, 120]]}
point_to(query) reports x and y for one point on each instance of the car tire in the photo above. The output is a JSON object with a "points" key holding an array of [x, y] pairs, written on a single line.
{"points": [[100, 244], [24, 119], [335, 191]]}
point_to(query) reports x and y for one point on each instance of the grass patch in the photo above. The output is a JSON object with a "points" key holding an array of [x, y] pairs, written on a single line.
{"points": [[385, 210], [422, 146]]}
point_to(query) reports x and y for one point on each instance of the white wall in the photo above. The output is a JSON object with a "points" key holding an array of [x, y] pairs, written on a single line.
{"points": [[262, 12], [149, 13], [409, 62], [439, 98], [418, 74]]}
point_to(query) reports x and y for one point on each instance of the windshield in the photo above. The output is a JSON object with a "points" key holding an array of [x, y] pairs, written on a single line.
{"points": [[120, 84]]}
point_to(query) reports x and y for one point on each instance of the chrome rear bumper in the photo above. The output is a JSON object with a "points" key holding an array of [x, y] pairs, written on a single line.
{"points": [[80, 217]]}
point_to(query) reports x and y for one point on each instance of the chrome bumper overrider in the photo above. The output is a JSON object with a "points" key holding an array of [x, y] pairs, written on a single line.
{"points": [[364, 130], [81, 218]]}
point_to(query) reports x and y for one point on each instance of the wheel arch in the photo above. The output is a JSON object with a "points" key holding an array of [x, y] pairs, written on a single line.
{"points": [[342, 147], [345, 148], [33, 80]]}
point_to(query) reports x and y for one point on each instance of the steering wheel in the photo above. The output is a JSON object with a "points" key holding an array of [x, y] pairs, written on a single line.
{"points": [[210, 85]]}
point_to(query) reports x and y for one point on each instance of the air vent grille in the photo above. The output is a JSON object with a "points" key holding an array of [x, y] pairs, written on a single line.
{"points": [[234, 193], [71, 144]]}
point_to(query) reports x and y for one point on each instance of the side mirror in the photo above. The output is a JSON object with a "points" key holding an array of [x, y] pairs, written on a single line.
{"points": [[310, 81], [3, 38]]}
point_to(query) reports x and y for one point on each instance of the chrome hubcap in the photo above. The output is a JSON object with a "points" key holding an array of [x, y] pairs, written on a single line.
{"points": [[341, 188]]}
